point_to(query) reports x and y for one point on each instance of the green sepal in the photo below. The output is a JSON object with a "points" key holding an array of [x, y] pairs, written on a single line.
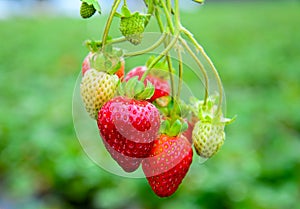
{"points": [[163, 110], [130, 87], [114, 69], [139, 88], [184, 127], [93, 46], [147, 93], [175, 128], [125, 11], [108, 61], [121, 89], [95, 3], [207, 112], [134, 88], [164, 127], [98, 62]]}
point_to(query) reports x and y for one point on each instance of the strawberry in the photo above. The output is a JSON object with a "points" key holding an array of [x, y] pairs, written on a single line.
{"points": [[208, 138], [128, 127], [97, 88], [86, 65], [208, 135], [132, 27], [168, 164], [87, 10], [162, 87], [129, 164]]}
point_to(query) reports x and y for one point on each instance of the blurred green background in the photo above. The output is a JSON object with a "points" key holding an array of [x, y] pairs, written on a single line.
{"points": [[256, 48]]}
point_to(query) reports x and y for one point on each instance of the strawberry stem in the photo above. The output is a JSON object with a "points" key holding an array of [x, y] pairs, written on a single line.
{"points": [[168, 17], [154, 46], [200, 65], [215, 72], [180, 66], [108, 23], [169, 61], [162, 54]]}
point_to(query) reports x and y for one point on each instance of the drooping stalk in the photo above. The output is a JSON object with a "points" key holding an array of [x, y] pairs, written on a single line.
{"points": [[168, 17], [215, 72], [180, 74], [168, 58], [200, 65], [109, 21], [161, 55], [180, 66], [151, 48]]}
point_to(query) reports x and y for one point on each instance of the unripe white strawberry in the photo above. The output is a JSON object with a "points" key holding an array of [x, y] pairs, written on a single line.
{"points": [[96, 89], [208, 138], [208, 134]]}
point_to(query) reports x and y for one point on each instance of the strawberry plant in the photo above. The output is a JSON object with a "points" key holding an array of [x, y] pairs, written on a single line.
{"points": [[143, 120]]}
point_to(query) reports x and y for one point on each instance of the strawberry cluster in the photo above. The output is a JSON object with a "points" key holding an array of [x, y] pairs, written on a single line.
{"points": [[130, 122], [140, 122]]}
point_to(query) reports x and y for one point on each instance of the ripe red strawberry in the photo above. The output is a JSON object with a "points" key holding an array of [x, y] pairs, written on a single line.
{"points": [[162, 87], [167, 164], [129, 164], [96, 89], [86, 65], [128, 127]]}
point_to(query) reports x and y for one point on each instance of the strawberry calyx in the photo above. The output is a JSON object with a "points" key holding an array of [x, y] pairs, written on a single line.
{"points": [[173, 124], [109, 60], [206, 112], [173, 127], [136, 89]]}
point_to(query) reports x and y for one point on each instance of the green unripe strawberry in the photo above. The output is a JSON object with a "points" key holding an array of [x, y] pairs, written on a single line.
{"points": [[208, 138], [209, 132], [132, 27], [96, 89], [86, 10]]}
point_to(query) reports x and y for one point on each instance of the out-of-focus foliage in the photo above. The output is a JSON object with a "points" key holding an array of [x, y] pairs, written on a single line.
{"points": [[256, 49]]}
